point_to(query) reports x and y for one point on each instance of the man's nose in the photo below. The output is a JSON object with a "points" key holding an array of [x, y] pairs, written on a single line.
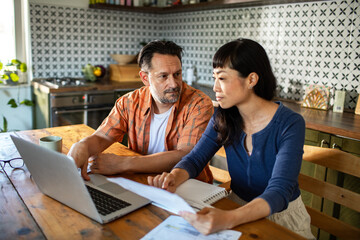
{"points": [[172, 81]]}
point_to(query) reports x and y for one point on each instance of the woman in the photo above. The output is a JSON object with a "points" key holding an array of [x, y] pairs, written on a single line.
{"points": [[263, 141]]}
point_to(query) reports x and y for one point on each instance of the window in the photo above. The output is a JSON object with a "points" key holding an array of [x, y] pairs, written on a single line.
{"points": [[7, 31], [14, 33]]}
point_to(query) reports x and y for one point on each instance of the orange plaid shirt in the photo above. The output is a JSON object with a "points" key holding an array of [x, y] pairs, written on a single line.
{"points": [[187, 121]]}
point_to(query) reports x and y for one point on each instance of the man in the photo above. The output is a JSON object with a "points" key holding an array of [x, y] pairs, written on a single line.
{"points": [[163, 120]]}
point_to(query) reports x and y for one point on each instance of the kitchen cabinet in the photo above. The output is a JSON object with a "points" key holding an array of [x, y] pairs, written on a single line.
{"points": [[216, 4], [41, 109], [323, 139]]}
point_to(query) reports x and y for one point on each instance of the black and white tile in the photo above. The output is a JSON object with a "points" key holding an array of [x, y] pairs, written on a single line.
{"points": [[307, 43], [65, 39]]}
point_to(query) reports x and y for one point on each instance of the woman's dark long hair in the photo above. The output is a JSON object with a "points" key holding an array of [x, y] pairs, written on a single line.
{"points": [[245, 56]]}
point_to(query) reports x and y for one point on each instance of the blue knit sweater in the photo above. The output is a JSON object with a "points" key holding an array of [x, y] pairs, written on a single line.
{"points": [[271, 172]]}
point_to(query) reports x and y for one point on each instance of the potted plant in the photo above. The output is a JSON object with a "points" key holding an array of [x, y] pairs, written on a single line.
{"points": [[9, 74]]}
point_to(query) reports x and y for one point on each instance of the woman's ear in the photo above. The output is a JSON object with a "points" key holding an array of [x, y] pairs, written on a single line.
{"points": [[253, 79], [144, 78]]}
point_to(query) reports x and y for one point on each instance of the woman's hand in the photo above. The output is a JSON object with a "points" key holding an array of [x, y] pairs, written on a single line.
{"points": [[165, 181], [210, 220]]}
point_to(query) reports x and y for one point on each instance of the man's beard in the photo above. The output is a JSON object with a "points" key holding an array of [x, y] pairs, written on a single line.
{"points": [[175, 92]]}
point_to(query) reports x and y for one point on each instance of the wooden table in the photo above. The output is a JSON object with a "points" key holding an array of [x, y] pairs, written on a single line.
{"points": [[25, 213]]}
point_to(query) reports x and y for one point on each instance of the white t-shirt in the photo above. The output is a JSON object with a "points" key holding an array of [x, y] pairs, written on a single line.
{"points": [[157, 131]]}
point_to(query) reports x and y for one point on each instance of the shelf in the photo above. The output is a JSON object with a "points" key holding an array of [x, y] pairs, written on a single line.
{"points": [[216, 4]]}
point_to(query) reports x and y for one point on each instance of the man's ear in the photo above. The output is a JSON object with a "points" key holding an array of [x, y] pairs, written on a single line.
{"points": [[144, 78], [253, 79]]}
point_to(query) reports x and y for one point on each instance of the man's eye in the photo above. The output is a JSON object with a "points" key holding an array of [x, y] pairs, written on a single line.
{"points": [[177, 74]]}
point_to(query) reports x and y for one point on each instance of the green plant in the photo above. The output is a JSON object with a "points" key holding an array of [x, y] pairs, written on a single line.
{"points": [[4, 129], [9, 73], [10, 70]]}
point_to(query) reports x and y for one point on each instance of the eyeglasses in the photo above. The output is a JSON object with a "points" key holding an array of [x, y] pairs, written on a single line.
{"points": [[13, 162]]}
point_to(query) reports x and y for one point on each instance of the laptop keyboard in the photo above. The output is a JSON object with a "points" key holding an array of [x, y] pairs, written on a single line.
{"points": [[105, 203]]}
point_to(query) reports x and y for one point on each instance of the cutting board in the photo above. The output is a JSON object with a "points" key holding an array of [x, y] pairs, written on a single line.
{"points": [[125, 73]]}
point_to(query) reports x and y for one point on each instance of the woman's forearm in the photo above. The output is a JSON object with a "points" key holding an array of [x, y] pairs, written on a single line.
{"points": [[252, 211]]}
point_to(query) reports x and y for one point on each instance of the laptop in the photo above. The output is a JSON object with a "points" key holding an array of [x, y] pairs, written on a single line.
{"points": [[57, 176]]}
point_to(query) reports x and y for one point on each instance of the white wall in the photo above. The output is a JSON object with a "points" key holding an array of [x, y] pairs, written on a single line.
{"points": [[19, 118], [67, 3]]}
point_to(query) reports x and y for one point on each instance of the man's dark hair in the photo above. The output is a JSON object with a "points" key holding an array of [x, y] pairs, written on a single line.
{"points": [[158, 46]]}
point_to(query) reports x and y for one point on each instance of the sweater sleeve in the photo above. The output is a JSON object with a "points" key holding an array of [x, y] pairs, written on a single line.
{"points": [[284, 177], [204, 150]]}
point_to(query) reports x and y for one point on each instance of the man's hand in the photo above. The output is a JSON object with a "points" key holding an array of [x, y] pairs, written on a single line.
{"points": [[88, 149], [79, 152], [109, 164]]}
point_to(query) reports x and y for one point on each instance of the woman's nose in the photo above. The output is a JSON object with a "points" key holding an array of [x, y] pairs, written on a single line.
{"points": [[216, 86]]}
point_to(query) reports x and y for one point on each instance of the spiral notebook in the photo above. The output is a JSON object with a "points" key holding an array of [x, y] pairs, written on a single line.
{"points": [[199, 194]]}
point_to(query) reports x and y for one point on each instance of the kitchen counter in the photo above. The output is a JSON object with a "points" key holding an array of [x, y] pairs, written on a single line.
{"points": [[346, 124], [100, 86]]}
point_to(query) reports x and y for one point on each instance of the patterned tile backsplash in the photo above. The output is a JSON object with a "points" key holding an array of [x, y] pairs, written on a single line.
{"points": [[307, 43]]}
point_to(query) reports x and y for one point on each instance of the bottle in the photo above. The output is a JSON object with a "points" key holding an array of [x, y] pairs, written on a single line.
{"points": [[138, 3], [161, 3], [190, 76]]}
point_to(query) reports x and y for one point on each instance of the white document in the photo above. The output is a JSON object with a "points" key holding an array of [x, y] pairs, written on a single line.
{"points": [[8, 149], [175, 227], [171, 202]]}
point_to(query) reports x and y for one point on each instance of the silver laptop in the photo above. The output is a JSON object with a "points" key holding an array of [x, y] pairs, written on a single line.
{"points": [[57, 176]]}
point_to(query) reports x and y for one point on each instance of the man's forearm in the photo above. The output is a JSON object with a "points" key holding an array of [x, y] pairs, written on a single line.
{"points": [[97, 143]]}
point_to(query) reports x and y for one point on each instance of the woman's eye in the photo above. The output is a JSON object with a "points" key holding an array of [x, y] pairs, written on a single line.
{"points": [[218, 78]]}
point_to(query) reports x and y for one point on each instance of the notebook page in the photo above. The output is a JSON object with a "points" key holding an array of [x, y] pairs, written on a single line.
{"points": [[198, 193]]}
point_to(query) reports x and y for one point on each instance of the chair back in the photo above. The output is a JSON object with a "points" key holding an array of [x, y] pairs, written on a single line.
{"points": [[345, 164]]}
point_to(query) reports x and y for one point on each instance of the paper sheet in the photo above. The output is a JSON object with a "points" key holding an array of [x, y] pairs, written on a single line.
{"points": [[171, 202], [8, 149], [175, 227]]}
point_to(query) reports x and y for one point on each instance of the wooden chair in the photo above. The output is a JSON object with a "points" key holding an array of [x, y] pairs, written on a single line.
{"points": [[329, 159], [221, 175], [345, 163]]}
